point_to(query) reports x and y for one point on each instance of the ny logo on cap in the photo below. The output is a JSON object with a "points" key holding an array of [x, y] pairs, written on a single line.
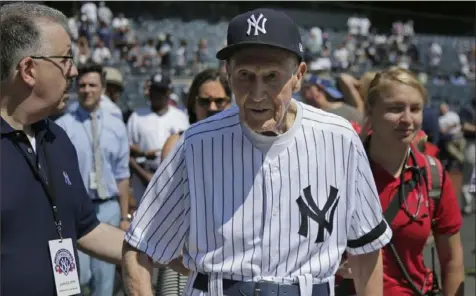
{"points": [[253, 22]]}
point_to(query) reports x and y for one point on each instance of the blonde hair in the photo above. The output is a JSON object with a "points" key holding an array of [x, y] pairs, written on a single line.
{"points": [[386, 79], [364, 84]]}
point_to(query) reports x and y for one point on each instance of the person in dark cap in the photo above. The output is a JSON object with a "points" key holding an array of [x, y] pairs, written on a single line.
{"points": [[322, 93], [149, 127], [262, 198]]}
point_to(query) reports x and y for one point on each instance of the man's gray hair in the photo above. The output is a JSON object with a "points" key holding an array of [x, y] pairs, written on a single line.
{"points": [[20, 33]]}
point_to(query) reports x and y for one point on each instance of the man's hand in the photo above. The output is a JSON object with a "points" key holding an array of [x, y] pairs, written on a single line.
{"points": [[177, 266], [125, 225], [344, 270], [151, 154]]}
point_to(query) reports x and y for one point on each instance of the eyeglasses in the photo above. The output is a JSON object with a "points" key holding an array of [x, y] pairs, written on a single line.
{"points": [[219, 102], [70, 57]]}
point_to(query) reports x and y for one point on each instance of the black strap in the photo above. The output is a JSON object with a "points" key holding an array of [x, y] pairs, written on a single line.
{"points": [[46, 183], [390, 214], [394, 206]]}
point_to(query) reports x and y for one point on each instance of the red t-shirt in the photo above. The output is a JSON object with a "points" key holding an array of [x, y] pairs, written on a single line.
{"points": [[409, 237]]}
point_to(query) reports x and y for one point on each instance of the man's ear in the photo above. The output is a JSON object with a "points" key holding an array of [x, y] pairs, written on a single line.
{"points": [[27, 72], [301, 71]]}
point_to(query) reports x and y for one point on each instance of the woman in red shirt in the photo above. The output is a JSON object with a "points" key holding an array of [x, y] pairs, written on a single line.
{"points": [[394, 107]]}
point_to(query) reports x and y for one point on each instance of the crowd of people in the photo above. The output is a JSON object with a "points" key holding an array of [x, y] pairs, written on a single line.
{"points": [[104, 38], [244, 189]]}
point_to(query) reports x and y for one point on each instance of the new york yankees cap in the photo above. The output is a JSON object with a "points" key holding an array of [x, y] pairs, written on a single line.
{"points": [[160, 81], [262, 26]]}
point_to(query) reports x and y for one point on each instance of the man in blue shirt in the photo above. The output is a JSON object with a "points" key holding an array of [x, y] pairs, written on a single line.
{"points": [[46, 213], [103, 153]]}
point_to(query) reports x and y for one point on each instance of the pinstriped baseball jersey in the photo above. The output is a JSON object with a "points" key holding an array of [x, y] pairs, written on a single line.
{"points": [[244, 209]]}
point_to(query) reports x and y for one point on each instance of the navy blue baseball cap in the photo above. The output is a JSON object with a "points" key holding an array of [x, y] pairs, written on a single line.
{"points": [[327, 85], [262, 26]]}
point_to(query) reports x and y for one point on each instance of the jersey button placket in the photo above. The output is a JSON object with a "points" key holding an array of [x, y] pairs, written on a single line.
{"points": [[267, 212], [274, 223]]}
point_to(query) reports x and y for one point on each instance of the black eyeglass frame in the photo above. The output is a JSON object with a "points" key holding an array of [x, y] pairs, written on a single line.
{"points": [[52, 57]]}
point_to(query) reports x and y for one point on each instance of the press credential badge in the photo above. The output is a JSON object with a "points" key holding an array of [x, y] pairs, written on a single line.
{"points": [[65, 268]]}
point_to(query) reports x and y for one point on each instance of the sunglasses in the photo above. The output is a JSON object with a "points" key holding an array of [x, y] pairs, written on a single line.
{"points": [[206, 102]]}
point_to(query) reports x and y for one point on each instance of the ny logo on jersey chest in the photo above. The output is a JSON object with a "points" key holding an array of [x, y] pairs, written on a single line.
{"points": [[312, 211], [257, 24]]}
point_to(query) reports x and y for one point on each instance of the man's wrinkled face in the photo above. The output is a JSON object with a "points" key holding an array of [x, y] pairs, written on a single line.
{"points": [[263, 80]]}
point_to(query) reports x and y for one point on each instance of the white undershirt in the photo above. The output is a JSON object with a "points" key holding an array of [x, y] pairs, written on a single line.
{"points": [[32, 141], [272, 146]]}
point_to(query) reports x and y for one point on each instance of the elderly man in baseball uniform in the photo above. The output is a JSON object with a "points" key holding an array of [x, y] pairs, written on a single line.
{"points": [[263, 198]]}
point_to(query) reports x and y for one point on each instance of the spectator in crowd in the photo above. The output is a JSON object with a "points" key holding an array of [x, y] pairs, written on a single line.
{"points": [[104, 14], [101, 54], [364, 27], [89, 9], [435, 53], [149, 128], [120, 23], [114, 84], [342, 57], [452, 140], [103, 155], [83, 52], [355, 91], [209, 94], [46, 214], [104, 33], [181, 56], [468, 122], [149, 54], [353, 25], [321, 93], [408, 30], [110, 98], [395, 102], [314, 43], [202, 56], [164, 50]]}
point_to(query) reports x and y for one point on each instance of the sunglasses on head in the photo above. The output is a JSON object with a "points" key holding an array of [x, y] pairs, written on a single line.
{"points": [[205, 102]]}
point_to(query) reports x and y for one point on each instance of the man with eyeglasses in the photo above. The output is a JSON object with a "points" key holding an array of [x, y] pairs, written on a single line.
{"points": [[46, 213], [149, 127]]}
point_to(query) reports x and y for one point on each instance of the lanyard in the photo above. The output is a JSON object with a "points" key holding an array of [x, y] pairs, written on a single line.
{"points": [[402, 188], [47, 184]]}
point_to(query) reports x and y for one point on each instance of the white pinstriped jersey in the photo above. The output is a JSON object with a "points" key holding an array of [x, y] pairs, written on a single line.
{"points": [[242, 214]]}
